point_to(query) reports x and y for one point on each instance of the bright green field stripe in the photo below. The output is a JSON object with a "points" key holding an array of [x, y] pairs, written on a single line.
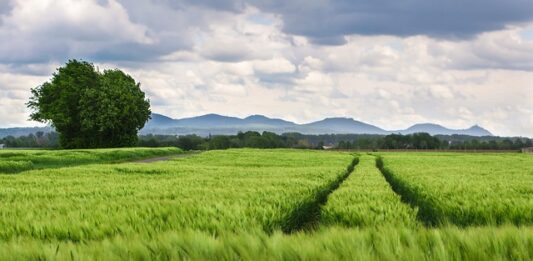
{"points": [[382, 243], [14, 161], [366, 199]]}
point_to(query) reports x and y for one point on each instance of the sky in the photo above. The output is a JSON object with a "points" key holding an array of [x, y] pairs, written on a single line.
{"points": [[385, 62]]}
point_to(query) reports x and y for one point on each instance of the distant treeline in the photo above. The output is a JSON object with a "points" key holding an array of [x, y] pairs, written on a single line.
{"points": [[38, 140], [253, 139], [341, 141], [249, 139]]}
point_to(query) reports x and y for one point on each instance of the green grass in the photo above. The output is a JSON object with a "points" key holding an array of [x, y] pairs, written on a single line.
{"points": [[13, 161], [14, 166], [382, 243], [465, 189], [214, 191], [250, 204], [366, 199]]}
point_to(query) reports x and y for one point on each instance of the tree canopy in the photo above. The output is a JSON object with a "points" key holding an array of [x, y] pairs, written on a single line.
{"points": [[91, 109]]}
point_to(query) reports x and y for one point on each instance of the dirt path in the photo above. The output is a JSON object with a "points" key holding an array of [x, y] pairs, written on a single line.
{"points": [[163, 158]]}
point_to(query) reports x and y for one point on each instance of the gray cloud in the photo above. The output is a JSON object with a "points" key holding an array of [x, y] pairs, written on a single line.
{"points": [[145, 30], [325, 21], [224, 5], [141, 30], [5, 6]]}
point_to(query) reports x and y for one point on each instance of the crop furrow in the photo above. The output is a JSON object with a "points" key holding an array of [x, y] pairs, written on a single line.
{"points": [[462, 189], [307, 215], [427, 213]]}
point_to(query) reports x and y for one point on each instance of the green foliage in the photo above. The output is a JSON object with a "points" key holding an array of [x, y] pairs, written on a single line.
{"points": [[465, 189], [366, 199], [417, 141], [12, 161], [412, 141], [295, 140], [91, 109], [190, 142], [249, 139]]}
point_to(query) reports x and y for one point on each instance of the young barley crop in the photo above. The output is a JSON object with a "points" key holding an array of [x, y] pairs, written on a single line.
{"points": [[465, 189], [366, 199], [215, 191]]}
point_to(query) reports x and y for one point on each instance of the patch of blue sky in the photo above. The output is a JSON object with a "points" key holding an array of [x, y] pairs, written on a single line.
{"points": [[527, 34], [260, 19]]}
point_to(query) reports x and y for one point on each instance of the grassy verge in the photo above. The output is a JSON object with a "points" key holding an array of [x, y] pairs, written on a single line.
{"points": [[14, 161]]}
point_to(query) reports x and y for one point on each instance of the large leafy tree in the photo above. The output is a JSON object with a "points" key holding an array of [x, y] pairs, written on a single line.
{"points": [[91, 109]]}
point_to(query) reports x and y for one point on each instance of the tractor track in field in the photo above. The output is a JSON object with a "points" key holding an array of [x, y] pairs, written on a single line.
{"points": [[307, 215], [426, 214]]}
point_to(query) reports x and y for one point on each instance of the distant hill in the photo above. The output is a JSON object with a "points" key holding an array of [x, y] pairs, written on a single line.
{"points": [[210, 120], [23, 131], [435, 129], [341, 125], [262, 120], [213, 124], [159, 120]]}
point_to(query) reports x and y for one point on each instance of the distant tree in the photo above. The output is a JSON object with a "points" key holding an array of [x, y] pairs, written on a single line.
{"points": [[518, 144], [273, 140], [506, 144], [219, 142], [190, 142], [90, 109], [341, 144]]}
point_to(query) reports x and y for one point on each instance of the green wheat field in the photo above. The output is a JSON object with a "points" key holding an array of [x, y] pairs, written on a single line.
{"points": [[251, 204]]}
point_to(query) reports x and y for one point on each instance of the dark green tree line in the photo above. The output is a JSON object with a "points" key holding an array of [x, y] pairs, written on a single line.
{"points": [[254, 139]]}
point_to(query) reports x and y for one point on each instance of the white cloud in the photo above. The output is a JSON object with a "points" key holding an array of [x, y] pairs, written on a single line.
{"points": [[505, 49], [274, 66], [242, 62], [315, 83], [43, 29], [13, 97]]}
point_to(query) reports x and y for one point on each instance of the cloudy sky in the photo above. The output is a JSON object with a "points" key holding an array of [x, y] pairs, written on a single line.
{"points": [[386, 62]]}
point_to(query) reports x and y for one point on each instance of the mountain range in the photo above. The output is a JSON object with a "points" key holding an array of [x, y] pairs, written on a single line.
{"points": [[215, 124], [218, 124]]}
